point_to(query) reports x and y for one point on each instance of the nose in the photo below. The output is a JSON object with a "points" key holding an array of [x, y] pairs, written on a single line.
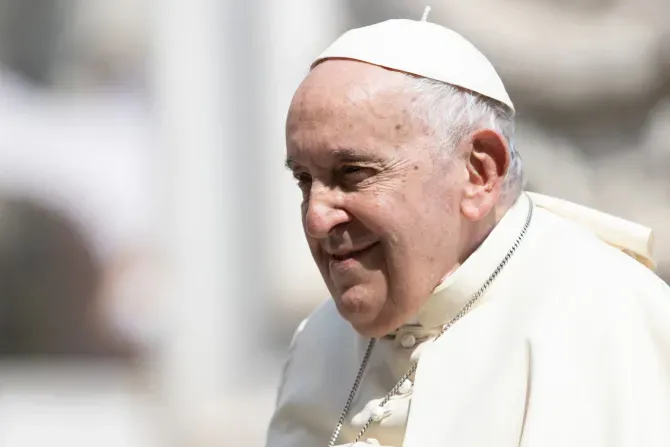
{"points": [[323, 212]]}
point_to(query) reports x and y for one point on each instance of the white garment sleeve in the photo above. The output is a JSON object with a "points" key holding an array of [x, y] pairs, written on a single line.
{"points": [[277, 416]]}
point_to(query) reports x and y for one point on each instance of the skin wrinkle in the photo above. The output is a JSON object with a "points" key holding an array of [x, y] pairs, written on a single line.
{"points": [[366, 162]]}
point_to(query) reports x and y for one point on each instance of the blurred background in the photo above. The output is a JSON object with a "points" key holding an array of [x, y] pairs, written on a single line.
{"points": [[152, 266]]}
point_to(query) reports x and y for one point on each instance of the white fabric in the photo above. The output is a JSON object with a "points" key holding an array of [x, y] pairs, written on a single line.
{"points": [[634, 239], [423, 49], [569, 346]]}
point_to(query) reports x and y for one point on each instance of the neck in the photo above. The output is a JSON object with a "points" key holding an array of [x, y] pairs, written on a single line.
{"points": [[474, 234]]}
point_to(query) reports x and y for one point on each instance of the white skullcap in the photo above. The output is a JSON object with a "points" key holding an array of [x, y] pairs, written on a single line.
{"points": [[422, 49]]}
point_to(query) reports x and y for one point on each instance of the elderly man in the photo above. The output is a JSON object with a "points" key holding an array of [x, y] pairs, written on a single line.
{"points": [[465, 311]]}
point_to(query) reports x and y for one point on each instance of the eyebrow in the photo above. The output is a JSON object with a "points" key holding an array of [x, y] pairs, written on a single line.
{"points": [[290, 163], [341, 155]]}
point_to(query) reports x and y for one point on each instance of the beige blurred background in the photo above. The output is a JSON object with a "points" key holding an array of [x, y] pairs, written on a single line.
{"points": [[152, 266]]}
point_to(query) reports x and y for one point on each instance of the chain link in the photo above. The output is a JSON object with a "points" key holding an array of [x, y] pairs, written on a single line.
{"points": [[412, 370]]}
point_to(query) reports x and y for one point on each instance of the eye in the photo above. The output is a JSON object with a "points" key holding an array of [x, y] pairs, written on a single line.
{"points": [[346, 170], [355, 174], [302, 178]]}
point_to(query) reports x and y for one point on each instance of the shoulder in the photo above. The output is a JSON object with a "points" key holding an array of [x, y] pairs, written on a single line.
{"points": [[322, 327], [323, 346], [321, 340], [577, 258], [570, 284], [580, 285]]}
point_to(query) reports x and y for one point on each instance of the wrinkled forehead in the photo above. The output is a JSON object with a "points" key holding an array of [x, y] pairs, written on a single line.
{"points": [[343, 86], [350, 104]]}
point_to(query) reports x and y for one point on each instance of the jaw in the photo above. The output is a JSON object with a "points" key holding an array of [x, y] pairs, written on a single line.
{"points": [[374, 329], [379, 325]]}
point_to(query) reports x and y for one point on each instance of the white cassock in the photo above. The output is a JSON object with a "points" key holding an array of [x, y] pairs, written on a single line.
{"points": [[570, 346]]}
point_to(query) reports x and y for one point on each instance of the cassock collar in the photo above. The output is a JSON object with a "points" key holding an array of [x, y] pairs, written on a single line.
{"points": [[458, 288]]}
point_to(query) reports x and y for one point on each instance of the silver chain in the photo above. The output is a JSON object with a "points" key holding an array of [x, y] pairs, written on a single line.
{"points": [[412, 370]]}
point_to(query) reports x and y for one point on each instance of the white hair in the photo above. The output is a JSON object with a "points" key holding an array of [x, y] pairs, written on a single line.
{"points": [[453, 113]]}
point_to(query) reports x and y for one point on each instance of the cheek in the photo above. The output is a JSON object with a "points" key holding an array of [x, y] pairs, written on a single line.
{"points": [[303, 210], [384, 210], [313, 244], [314, 247], [420, 230]]}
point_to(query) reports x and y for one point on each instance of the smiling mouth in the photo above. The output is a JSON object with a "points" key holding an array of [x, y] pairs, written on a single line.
{"points": [[352, 254]]}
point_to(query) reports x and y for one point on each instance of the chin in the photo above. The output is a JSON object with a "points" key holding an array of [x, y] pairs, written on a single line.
{"points": [[367, 312], [379, 324], [370, 324], [359, 314], [371, 331]]}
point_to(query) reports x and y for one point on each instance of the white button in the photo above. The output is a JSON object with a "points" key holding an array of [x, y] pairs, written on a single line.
{"points": [[408, 341], [406, 387], [372, 441], [379, 413]]}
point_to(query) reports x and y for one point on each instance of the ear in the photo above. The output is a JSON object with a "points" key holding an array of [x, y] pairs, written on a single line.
{"points": [[486, 166]]}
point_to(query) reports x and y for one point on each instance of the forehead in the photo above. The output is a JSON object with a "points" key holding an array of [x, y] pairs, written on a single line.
{"points": [[345, 106]]}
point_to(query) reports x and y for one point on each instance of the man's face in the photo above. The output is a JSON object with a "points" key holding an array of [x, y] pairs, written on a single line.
{"points": [[380, 206]]}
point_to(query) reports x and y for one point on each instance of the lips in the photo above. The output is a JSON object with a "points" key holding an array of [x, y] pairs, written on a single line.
{"points": [[351, 254]]}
